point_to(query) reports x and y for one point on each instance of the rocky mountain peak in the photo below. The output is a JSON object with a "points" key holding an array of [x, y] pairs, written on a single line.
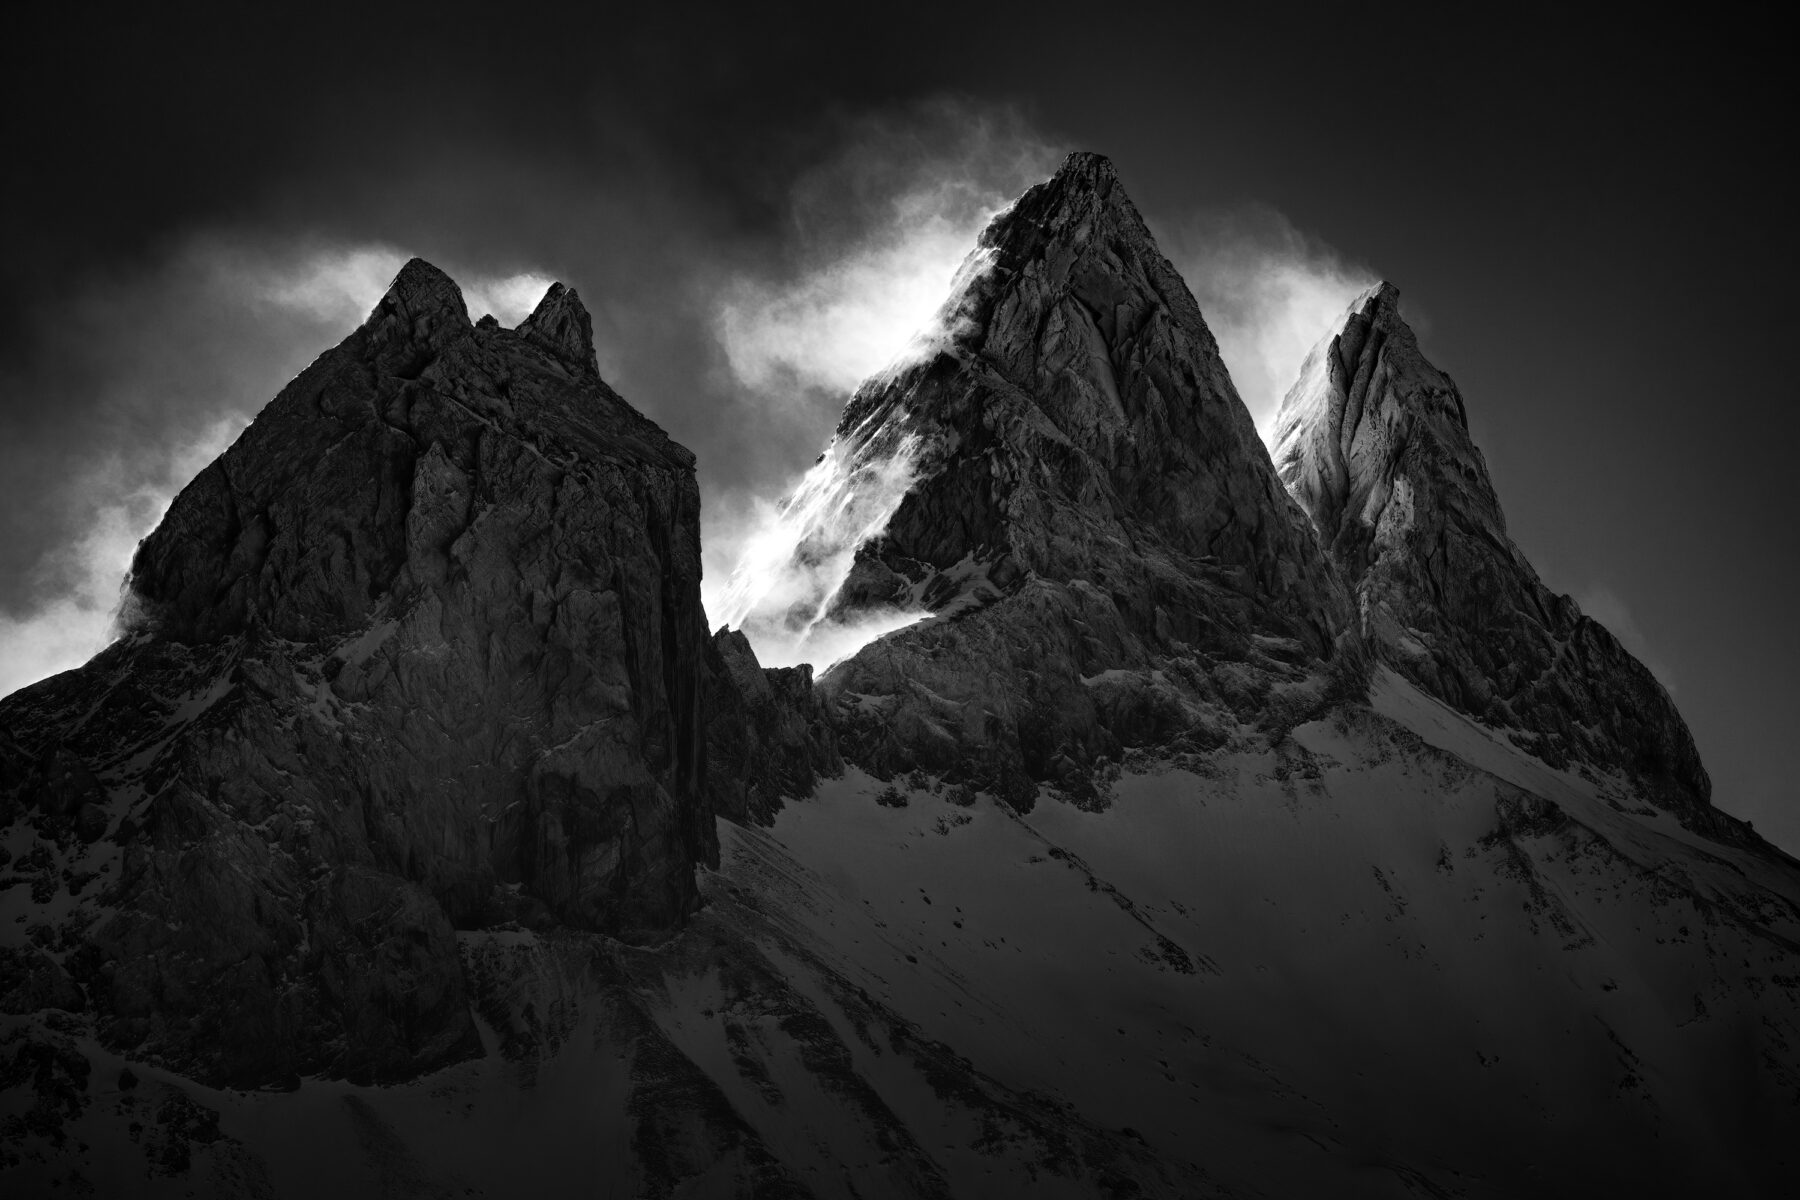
{"points": [[561, 324], [1083, 193], [1365, 394], [422, 306], [1373, 440], [1087, 494], [422, 651]]}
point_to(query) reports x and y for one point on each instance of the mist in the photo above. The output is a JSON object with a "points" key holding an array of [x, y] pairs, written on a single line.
{"points": [[1269, 293]]}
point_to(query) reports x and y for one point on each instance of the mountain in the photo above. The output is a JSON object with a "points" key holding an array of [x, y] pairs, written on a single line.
{"points": [[1374, 441], [1202, 826], [1109, 559], [422, 651]]}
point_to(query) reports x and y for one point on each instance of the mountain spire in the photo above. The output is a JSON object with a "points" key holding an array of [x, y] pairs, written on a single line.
{"points": [[1373, 440], [561, 324], [1087, 495]]}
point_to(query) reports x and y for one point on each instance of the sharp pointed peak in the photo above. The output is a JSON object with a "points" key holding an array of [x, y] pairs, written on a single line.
{"points": [[1382, 295], [1086, 167], [421, 289], [1083, 178], [1081, 201], [561, 323], [422, 307]]}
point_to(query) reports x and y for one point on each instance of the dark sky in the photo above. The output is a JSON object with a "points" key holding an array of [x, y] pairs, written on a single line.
{"points": [[1588, 220]]}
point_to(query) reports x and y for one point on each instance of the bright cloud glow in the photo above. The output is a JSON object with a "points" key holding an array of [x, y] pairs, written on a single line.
{"points": [[511, 298], [837, 326], [341, 286], [1269, 293], [81, 621]]}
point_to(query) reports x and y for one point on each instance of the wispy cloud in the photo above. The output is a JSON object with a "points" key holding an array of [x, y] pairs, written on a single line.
{"points": [[1268, 291], [878, 235]]}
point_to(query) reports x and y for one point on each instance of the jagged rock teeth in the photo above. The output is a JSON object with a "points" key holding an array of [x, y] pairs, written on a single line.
{"points": [[1374, 442]]}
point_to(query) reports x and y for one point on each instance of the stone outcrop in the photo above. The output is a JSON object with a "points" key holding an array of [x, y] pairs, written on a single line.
{"points": [[422, 651], [1092, 520], [766, 732], [1374, 441]]}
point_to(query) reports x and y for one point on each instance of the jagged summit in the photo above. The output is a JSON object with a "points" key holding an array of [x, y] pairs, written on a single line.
{"points": [[422, 307], [1087, 496], [561, 324], [1078, 351], [1365, 393], [1373, 440]]}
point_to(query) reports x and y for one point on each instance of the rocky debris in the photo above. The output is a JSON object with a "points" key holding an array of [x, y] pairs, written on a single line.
{"points": [[31, 980], [766, 735], [1090, 504], [50, 1072], [1374, 441], [423, 650]]}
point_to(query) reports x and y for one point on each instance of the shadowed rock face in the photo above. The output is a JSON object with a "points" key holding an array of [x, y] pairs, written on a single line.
{"points": [[423, 650], [766, 733], [1374, 441], [1091, 505]]}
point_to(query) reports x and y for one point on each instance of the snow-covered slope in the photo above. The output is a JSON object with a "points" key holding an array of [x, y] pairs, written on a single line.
{"points": [[1394, 955]]}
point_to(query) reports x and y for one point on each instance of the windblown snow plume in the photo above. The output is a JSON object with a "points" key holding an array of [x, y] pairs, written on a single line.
{"points": [[882, 235], [1268, 291], [794, 565]]}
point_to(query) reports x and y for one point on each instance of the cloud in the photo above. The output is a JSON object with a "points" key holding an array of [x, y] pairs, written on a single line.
{"points": [[1606, 606], [178, 360], [79, 616], [1269, 293], [877, 236]]}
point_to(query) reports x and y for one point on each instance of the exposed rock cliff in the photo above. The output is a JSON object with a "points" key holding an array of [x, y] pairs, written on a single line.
{"points": [[423, 650], [1107, 551], [1374, 441], [766, 734]]}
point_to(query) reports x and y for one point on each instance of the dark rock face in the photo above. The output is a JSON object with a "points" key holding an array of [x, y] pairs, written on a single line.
{"points": [[1374, 441], [766, 734], [423, 650], [1092, 516]]}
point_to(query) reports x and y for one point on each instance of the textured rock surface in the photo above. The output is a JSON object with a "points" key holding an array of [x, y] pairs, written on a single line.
{"points": [[766, 734], [423, 650], [1374, 441], [1092, 518]]}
